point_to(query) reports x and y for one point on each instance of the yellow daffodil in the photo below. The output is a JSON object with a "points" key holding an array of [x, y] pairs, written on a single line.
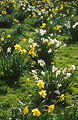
{"points": [[27, 80], [36, 112], [49, 44], [23, 39], [51, 16], [54, 28], [23, 51], [51, 108], [31, 52], [41, 17], [8, 36], [26, 110], [43, 93], [18, 47], [52, 63], [59, 31], [2, 39], [40, 84], [43, 24], [62, 97]]}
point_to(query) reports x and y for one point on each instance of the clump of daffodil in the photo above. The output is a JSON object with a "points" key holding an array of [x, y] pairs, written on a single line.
{"points": [[43, 93], [36, 112], [31, 52], [26, 110], [40, 84], [51, 108]]}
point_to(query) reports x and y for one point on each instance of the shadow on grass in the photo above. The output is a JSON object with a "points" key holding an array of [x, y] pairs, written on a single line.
{"points": [[6, 83]]}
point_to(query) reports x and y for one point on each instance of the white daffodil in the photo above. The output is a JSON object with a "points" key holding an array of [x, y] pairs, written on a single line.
{"points": [[68, 74], [43, 73], [8, 50], [41, 62], [50, 50], [54, 68], [58, 72], [33, 72]]}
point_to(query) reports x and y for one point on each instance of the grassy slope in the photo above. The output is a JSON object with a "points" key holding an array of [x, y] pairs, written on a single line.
{"points": [[9, 96]]}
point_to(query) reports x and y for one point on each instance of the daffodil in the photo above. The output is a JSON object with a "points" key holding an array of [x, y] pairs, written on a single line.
{"points": [[62, 97], [8, 36], [27, 80], [26, 110], [23, 51], [2, 39], [17, 46], [43, 93], [40, 84], [51, 108], [36, 112]]}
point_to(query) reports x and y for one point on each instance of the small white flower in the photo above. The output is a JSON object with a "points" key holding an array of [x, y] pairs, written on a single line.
{"points": [[58, 86], [23, 8], [73, 67], [45, 40], [75, 25], [68, 74], [35, 77], [51, 34], [41, 62], [54, 68], [64, 70], [36, 30], [33, 71], [51, 22], [43, 73], [8, 50], [58, 72], [50, 50], [39, 12], [31, 40], [64, 45], [52, 41], [35, 44], [28, 9], [42, 32]]}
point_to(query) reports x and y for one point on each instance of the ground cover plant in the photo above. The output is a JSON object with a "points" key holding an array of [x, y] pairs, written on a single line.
{"points": [[38, 73]]}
